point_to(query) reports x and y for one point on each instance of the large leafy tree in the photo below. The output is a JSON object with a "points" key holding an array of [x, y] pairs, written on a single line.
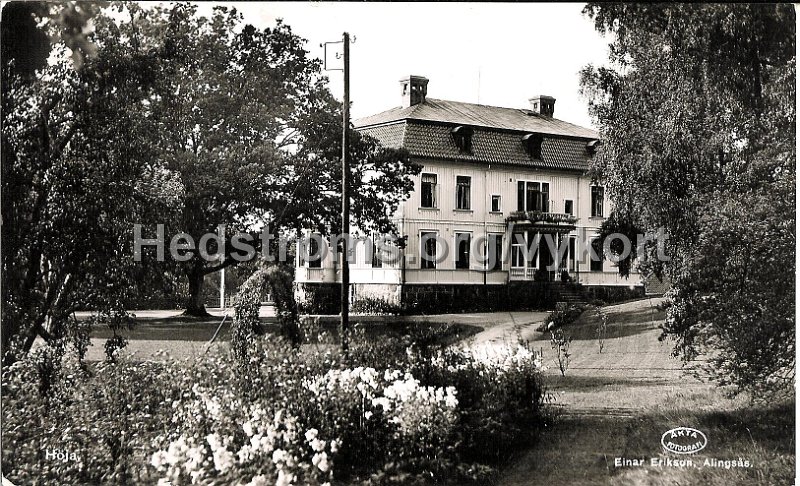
{"points": [[148, 127], [75, 173], [245, 118], [697, 115]]}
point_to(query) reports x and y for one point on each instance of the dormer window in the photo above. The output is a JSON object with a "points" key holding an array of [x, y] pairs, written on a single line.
{"points": [[462, 135], [533, 144]]}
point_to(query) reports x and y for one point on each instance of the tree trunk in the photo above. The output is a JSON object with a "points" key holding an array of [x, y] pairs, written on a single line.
{"points": [[194, 303]]}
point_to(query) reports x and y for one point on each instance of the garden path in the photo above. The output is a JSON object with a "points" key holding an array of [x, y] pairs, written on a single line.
{"points": [[602, 396]]}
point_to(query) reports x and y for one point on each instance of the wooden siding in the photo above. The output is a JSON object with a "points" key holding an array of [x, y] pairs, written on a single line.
{"points": [[479, 221]]}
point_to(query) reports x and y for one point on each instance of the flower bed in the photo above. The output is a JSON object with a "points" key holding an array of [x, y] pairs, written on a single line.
{"points": [[388, 413]]}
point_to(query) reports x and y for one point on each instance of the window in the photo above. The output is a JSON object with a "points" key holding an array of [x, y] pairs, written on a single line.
{"points": [[462, 135], [462, 250], [533, 196], [533, 144], [462, 192], [495, 247], [596, 265], [428, 191], [597, 201], [313, 254], [427, 246], [496, 204], [377, 258], [568, 207]]}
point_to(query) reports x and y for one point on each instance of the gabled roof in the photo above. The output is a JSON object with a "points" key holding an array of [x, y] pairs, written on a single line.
{"points": [[490, 117]]}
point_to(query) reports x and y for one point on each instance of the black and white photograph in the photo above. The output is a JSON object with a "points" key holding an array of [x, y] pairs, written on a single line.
{"points": [[373, 243]]}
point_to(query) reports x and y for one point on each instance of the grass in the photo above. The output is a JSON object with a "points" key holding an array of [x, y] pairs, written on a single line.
{"points": [[619, 402], [185, 337]]}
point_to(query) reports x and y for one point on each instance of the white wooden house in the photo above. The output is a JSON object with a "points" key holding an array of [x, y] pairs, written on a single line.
{"points": [[489, 173]]}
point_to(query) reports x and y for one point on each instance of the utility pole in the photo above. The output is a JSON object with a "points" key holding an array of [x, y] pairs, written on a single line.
{"points": [[222, 288], [345, 230], [345, 294]]}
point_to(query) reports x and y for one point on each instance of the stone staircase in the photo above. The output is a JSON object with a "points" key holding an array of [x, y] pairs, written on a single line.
{"points": [[569, 293]]}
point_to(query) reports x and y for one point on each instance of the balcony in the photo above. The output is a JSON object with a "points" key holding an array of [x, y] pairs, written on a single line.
{"points": [[554, 222], [521, 273]]}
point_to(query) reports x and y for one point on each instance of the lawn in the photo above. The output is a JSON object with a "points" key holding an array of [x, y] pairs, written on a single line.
{"points": [[618, 403], [157, 335]]}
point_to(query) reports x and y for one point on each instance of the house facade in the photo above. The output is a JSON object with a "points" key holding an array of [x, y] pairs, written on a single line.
{"points": [[496, 185]]}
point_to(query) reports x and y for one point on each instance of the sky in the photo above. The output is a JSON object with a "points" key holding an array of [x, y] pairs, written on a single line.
{"points": [[493, 54]]}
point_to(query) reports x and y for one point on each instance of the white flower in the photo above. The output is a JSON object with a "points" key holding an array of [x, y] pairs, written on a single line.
{"points": [[158, 459], [284, 479], [214, 441], [245, 453], [367, 415], [223, 460], [335, 445], [321, 461], [382, 402], [318, 445], [248, 428], [391, 375], [279, 455], [311, 434], [260, 480]]}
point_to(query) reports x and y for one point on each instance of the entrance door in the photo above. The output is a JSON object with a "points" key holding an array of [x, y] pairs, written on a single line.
{"points": [[546, 257], [568, 258]]}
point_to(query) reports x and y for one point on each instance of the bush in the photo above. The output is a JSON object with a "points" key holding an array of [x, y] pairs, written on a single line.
{"points": [[100, 418], [375, 306], [397, 411], [563, 315]]}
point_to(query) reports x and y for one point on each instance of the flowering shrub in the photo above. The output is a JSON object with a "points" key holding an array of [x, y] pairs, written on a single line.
{"points": [[564, 315], [287, 416], [375, 306], [86, 426]]}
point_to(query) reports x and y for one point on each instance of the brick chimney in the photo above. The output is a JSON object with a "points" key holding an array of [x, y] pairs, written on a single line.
{"points": [[543, 105], [414, 90]]}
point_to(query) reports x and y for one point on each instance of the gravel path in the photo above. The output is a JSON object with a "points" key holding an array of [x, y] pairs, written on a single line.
{"points": [[601, 396]]}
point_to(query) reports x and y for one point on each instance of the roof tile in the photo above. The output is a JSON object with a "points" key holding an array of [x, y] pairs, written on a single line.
{"points": [[488, 146]]}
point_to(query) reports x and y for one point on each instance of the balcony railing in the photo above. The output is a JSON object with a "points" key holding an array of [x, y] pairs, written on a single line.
{"points": [[541, 217], [520, 273]]}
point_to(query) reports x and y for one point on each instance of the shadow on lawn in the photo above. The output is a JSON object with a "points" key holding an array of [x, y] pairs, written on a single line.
{"points": [[622, 323], [646, 314], [179, 328], [582, 331], [580, 449], [581, 383]]}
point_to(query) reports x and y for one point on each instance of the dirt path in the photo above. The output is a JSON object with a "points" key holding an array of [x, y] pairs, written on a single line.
{"points": [[602, 396]]}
